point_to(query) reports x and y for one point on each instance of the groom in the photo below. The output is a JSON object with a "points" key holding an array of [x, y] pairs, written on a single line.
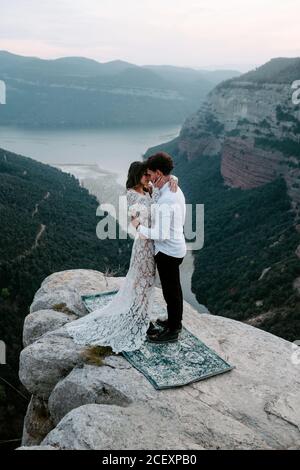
{"points": [[169, 243]]}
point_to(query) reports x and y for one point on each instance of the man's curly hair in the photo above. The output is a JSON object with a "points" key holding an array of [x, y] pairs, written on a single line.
{"points": [[160, 161]]}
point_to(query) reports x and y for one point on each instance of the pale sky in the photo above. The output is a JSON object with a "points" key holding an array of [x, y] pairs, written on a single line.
{"points": [[238, 34]]}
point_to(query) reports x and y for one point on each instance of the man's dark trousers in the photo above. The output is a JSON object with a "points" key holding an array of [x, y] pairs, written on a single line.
{"points": [[168, 269]]}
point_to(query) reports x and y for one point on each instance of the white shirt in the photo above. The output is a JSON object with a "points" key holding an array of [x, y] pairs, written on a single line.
{"points": [[168, 217]]}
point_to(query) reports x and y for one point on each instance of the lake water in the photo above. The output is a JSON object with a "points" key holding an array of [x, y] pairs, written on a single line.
{"points": [[100, 159], [112, 149]]}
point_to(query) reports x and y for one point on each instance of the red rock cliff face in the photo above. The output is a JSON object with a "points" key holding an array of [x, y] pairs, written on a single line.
{"points": [[245, 166]]}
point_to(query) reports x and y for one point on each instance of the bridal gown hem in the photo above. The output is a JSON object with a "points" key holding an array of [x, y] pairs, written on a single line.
{"points": [[123, 323]]}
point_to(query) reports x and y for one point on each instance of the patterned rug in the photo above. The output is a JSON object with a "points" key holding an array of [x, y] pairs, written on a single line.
{"points": [[169, 365]]}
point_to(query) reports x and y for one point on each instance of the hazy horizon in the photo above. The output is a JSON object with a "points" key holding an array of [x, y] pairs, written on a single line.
{"points": [[206, 68], [195, 33]]}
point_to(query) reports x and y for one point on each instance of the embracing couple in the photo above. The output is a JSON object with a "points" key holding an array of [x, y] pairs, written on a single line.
{"points": [[157, 208]]}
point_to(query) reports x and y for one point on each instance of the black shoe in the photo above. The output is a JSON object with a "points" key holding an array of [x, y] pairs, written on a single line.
{"points": [[152, 329], [164, 323], [154, 332], [165, 336]]}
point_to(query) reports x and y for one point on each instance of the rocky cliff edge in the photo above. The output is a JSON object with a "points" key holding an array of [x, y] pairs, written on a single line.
{"points": [[78, 403]]}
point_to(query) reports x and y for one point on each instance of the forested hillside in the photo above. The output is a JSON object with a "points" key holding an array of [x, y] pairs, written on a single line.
{"points": [[48, 224]]}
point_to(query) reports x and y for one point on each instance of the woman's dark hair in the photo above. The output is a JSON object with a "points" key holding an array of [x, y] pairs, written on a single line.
{"points": [[135, 173], [160, 161]]}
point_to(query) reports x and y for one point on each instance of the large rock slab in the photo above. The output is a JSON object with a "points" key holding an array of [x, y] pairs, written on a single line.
{"points": [[38, 323], [115, 382], [46, 361], [254, 406], [37, 448], [286, 406], [83, 386], [66, 287], [110, 427], [37, 423]]}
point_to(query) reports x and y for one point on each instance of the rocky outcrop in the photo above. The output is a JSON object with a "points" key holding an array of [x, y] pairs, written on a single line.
{"points": [[46, 361], [38, 323], [255, 126], [91, 384], [137, 427], [75, 402], [37, 422], [62, 291], [37, 448]]}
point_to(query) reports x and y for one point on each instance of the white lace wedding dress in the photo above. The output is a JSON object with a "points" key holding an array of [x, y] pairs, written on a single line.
{"points": [[123, 323]]}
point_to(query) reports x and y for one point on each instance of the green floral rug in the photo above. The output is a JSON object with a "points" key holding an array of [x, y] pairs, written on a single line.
{"points": [[169, 365]]}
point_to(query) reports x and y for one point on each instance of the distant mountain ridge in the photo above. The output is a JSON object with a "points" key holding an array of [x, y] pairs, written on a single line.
{"points": [[77, 66], [76, 91], [277, 70]]}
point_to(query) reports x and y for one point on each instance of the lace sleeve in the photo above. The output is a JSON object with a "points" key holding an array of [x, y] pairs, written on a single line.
{"points": [[155, 194], [138, 206], [132, 198], [132, 201]]}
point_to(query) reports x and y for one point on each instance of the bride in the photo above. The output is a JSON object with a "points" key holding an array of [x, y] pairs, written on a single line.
{"points": [[123, 323]]}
